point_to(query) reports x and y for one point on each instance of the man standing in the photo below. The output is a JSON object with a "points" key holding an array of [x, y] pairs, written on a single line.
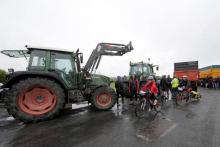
{"points": [[214, 83], [164, 86], [175, 85], [217, 82], [119, 89], [185, 82], [169, 84], [133, 88]]}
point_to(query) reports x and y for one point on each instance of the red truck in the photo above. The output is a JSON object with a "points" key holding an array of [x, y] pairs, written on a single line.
{"points": [[190, 69]]}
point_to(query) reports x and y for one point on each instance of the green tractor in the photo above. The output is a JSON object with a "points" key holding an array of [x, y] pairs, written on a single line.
{"points": [[54, 78], [141, 70]]}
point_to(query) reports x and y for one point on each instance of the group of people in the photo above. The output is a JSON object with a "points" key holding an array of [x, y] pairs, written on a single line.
{"points": [[210, 82], [156, 87], [133, 87], [168, 85], [183, 83]]}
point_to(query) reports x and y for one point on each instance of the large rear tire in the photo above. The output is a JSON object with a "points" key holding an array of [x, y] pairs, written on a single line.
{"points": [[35, 99], [103, 98]]}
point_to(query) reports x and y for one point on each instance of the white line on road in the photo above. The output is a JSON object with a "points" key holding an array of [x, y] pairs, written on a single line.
{"points": [[145, 138], [168, 130]]}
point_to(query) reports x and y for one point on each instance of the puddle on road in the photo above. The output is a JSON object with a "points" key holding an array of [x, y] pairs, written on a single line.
{"points": [[190, 115], [122, 110], [117, 110], [156, 130], [10, 118], [7, 119]]}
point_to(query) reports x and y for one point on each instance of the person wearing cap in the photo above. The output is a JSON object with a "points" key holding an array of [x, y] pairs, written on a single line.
{"points": [[152, 88]]}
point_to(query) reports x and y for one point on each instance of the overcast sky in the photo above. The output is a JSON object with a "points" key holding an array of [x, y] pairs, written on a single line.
{"points": [[166, 31]]}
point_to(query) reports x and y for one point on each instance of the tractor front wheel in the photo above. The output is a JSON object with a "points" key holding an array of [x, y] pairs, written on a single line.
{"points": [[103, 98]]}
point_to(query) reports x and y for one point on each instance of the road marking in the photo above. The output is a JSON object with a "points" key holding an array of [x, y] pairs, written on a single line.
{"points": [[168, 130], [145, 138], [167, 119]]}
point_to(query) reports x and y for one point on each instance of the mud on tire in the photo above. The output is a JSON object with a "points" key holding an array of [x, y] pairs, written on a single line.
{"points": [[35, 99], [103, 98]]}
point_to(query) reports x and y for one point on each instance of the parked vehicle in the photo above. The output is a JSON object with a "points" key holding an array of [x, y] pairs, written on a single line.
{"points": [[142, 69], [55, 78], [209, 71], [189, 69]]}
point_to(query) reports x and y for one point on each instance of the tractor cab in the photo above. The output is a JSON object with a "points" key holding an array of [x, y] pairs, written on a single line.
{"points": [[42, 59], [141, 69]]}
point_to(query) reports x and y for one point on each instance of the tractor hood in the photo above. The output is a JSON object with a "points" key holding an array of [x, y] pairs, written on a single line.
{"points": [[100, 79]]}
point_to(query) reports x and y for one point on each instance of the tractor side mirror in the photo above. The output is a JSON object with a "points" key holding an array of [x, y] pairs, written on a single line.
{"points": [[81, 58], [157, 68]]}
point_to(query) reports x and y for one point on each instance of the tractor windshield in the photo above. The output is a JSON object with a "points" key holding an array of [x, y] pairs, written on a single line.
{"points": [[136, 70], [16, 53], [147, 70], [141, 69]]}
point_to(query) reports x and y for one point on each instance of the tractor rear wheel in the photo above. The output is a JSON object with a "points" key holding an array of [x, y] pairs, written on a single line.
{"points": [[103, 98], [35, 99]]}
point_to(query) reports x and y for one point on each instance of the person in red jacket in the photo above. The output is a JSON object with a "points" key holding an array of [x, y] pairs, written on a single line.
{"points": [[152, 88], [133, 88]]}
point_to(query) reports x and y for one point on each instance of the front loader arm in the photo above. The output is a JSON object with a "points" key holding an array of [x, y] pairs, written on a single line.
{"points": [[105, 49]]}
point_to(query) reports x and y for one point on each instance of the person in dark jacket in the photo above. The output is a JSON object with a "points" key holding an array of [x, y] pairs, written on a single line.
{"points": [[169, 85], [164, 86], [133, 88], [210, 82], [207, 82], [217, 82], [169, 80], [119, 89]]}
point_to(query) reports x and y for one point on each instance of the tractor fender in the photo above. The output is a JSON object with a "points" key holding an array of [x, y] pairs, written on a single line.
{"points": [[98, 86], [17, 76], [91, 88]]}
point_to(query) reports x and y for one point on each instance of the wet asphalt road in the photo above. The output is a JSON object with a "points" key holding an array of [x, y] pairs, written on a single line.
{"points": [[187, 125]]}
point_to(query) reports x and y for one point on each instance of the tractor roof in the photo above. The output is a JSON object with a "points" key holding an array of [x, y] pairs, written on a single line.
{"points": [[26, 53], [138, 63], [48, 48]]}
